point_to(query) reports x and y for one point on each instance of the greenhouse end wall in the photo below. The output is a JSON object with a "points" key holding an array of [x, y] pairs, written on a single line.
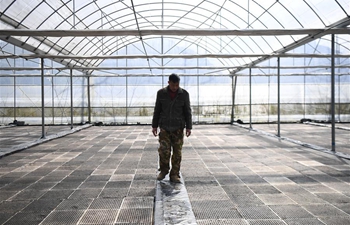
{"points": [[130, 100]]}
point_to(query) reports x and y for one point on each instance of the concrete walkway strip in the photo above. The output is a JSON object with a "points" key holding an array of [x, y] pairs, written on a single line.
{"points": [[327, 125], [7, 126], [172, 205]]}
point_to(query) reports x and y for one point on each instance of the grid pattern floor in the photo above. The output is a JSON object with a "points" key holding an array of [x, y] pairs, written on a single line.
{"points": [[107, 175], [313, 133]]}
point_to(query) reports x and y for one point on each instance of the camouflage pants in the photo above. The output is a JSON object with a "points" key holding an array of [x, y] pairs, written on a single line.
{"points": [[166, 141]]}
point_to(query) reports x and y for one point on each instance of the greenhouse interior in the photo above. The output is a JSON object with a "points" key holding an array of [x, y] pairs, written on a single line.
{"points": [[275, 70]]}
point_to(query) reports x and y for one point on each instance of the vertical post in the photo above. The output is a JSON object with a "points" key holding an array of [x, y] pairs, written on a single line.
{"points": [[333, 94], [126, 88], [198, 111], [233, 104], [250, 98], [162, 61], [89, 98], [305, 84], [14, 89], [233, 83], [198, 114], [162, 49], [339, 91], [337, 49], [278, 97], [14, 98], [126, 99], [53, 101], [304, 94], [42, 100], [162, 44], [71, 98], [268, 98]]}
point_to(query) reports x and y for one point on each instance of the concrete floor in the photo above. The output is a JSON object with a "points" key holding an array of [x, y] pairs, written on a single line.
{"points": [[106, 175], [315, 134], [11, 137]]}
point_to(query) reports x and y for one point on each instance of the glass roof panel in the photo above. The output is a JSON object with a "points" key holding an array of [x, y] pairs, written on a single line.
{"points": [[303, 14], [234, 15], [4, 25], [345, 5], [5, 4], [104, 5], [148, 9], [54, 21], [284, 17], [328, 11], [261, 44], [180, 14], [40, 15], [20, 9], [268, 21], [87, 10], [120, 22], [63, 26], [286, 40], [255, 11], [94, 20]]}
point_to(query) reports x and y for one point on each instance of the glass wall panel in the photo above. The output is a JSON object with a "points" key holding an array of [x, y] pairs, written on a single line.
{"points": [[343, 114], [215, 97]]}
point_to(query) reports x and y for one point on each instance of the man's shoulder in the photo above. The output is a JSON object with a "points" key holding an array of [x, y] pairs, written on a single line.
{"points": [[181, 90], [162, 90]]}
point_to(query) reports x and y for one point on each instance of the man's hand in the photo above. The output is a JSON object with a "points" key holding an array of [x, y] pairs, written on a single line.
{"points": [[155, 131], [188, 132]]}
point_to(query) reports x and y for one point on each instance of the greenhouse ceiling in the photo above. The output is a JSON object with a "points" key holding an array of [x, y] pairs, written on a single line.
{"points": [[237, 34]]}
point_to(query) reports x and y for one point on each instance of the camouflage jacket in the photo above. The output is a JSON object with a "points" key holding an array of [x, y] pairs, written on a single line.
{"points": [[172, 114]]}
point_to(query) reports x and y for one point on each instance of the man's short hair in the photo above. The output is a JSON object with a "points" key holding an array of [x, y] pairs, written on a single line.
{"points": [[174, 78]]}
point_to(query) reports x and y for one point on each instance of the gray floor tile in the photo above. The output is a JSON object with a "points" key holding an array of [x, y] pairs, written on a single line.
{"points": [[63, 217], [232, 176], [74, 204], [29, 218], [99, 216], [291, 211]]}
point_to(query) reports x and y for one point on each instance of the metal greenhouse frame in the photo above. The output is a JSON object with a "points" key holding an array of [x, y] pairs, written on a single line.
{"points": [[122, 40]]}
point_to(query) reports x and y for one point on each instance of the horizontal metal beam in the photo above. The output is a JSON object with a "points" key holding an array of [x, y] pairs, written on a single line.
{"points": [[285, 55], [180, 74], [170, 68], [170, 32]]}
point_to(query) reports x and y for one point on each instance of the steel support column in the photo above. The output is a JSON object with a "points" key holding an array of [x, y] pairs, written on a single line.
{"points": [[233, 102], [278, 97], [89, 98], [126, 88], [71, 98], [333, 93], [14, 99], [234, 86], [198, 111], [14, 89], [42, 100], [198, 114], [250, 98], [53, 101], [126, 100]]}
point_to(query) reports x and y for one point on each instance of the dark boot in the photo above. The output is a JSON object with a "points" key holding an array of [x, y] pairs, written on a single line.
{"points": [[175, 179], [161, 175]]}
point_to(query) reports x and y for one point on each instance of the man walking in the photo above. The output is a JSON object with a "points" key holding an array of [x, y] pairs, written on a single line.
{"points": [[172, 113]]}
